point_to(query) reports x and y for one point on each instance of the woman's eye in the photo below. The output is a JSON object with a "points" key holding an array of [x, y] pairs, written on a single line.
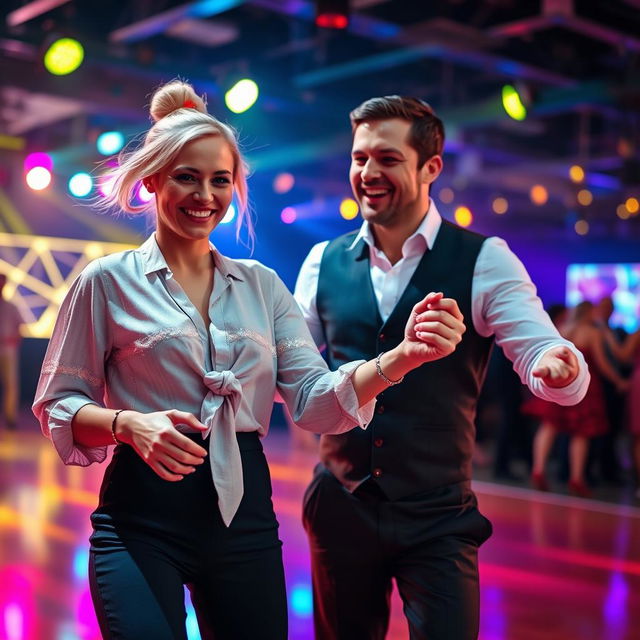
{"points": [[221, 180], [185, 177]]}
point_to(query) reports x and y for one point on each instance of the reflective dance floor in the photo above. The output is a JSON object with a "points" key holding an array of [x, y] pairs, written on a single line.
{"points": [[556, 567]]}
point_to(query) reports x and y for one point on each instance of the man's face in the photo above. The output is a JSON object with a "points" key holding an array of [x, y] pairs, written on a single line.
{"points": [[384, 173]]}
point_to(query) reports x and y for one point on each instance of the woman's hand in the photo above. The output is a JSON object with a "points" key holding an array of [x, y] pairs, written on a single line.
{"points": [[433, 330], [156, 440]]}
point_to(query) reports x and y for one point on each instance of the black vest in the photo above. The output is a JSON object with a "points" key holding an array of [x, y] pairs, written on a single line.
{"points": [[423, 432]]}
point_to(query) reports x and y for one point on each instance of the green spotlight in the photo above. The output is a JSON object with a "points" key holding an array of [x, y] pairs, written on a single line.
{"points": [[241, 96], [512, 103], [64, 56]]}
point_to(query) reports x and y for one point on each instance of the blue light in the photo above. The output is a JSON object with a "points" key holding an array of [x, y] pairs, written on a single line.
{"points": [[80, 563], [193, 631], [301, 601], [110, 142], [80, 184]]}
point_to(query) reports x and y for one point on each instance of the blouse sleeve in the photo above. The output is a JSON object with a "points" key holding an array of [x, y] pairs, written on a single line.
{"points": [[319, 400], [73, 371]]}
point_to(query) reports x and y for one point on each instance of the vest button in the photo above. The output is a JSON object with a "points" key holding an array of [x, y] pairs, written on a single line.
{"points": [[380, 408], [378, 442], [377, 472]]}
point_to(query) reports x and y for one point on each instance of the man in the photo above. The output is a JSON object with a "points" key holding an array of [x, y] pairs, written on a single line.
{"points": [[10, 321], [395, 501]]}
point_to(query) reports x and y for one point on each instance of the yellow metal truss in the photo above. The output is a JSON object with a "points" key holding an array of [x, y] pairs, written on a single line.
{"points": [[37, 299]]}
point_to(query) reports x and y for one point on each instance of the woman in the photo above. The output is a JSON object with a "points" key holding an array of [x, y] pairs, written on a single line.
{"points": [[582, 421], [173, 353]]}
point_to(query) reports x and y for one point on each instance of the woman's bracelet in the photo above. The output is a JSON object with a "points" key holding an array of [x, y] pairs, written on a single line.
{"points": [[113, 426], [379, 371]]}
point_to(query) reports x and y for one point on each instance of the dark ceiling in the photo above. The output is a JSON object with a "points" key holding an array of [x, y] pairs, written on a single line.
{"points": [[579, 60]]}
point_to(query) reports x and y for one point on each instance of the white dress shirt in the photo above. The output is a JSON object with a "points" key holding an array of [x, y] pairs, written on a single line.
{"points": [[504, 302], [128, 337]]}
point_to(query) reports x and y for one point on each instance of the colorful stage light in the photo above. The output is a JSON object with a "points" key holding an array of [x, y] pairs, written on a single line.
{"points": [[349, 209], [500, 206], [230, 215], [512, 103], [576, 173], [538, 194], [332, 14], [446, 195], [283, 183], [581, 227], [105, 185], [288, 215], [242, 96], [585, 197], [80, 184], [64, 56], [143, 194], [38, 159], [463, 216], [38, 178], [632, 205], [110, 142]]}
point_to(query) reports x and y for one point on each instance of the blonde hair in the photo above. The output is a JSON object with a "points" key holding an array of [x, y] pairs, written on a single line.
{"points": [[180, 116]]}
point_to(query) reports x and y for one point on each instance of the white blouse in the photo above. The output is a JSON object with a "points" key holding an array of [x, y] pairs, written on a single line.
{"points": [[128, 337]]}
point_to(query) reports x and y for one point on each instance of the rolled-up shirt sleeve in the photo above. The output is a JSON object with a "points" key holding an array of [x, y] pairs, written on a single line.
{"points": [[506, 304], [319, 400], [73, 369]]}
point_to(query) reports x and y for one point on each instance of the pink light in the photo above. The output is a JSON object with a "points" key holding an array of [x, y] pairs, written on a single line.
{"points": [[38, 159], [288, 215], [283, 182], [143, 194], [106, 185]]}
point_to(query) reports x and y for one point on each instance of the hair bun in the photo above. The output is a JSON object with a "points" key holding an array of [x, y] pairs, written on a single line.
{"points": [[173, 96]]}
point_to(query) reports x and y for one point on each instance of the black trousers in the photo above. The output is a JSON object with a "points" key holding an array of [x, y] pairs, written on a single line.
{"points": [[151, 537], [360, 541]]}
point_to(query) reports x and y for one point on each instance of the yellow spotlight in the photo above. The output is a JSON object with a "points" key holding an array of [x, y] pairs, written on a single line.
{"points": [[585, 197], [622, 212], [348, 208], [581, 227], [512, 103], [93, 250], [463, 216], [64, 56], [446, 195], [538, 194], [40, 245], [632, 205], [500, 206], [576, 173]]}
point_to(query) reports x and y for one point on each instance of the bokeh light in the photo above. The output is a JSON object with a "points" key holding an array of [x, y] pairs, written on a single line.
{"points": [[463, 216], [80, 184], [38, 178], [576, 173], [283, 182], [446, 195], [622, 212], [143, 194], [581, 227], [632, 205], [585, 197], [105, 185], [110, 142], [500, 205], [288, 215], [539, 194], [64, 56], [242, 96], [38, 159], [230, 215], [512, 103], [349, 209]]}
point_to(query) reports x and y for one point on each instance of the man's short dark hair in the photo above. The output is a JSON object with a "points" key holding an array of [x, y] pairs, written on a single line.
{"points": [[426, 134]]}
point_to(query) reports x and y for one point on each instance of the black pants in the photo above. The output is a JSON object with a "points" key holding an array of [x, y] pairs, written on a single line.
{"points": [[151, 537], [360, 541]]}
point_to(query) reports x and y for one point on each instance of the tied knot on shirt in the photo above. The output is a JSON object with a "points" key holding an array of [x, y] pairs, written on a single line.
{"points": [[222, 385]]}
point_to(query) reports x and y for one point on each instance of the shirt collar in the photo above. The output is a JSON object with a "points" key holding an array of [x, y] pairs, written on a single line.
{"points": [[153, 260], [428, 229]]}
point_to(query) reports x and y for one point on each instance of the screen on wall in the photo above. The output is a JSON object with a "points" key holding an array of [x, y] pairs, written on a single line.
{"points": [[619, 281]]}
